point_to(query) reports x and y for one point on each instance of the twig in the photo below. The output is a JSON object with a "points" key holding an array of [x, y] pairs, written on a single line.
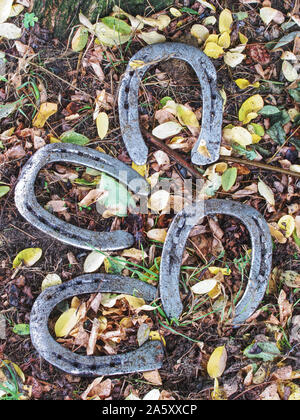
{"points": [[260, 165], [174, 155]]}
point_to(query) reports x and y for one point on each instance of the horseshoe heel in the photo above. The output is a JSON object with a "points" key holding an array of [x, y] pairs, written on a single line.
{"points": [[31, 210], [147, 357], [175, 244], [212, 101]]}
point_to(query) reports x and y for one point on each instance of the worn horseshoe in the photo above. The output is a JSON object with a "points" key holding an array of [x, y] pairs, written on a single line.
{"points": [[212, 101], [147, 357], [34, 213], [175, 244]]}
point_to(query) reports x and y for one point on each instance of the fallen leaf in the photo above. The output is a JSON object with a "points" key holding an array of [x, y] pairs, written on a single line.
{"points": [[51, 280], [153, 377], [93, 262], [204, 286], [289, 71], [143, 334], [200, 32], [158, 235], [28, 256], [225, 21], [66, 322], [152, 395], [4, 189], [80, 39], [285, 308], [266, 192], [46, 110], [159, 200], [152, 37], [217, 362], [102, 122], [287, 224], [250, 108], [213, 50], [10, 31], [168, 129], [5, 9], [229, 178], [268, 14]]}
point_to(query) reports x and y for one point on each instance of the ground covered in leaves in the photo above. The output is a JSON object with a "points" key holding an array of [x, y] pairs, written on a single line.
{"points": [[53, 91]]}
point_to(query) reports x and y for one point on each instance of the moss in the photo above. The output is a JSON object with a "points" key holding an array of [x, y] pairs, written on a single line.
{"points": [[60, 15]]}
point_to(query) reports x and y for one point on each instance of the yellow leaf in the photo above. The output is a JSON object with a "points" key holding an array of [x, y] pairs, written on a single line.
{"points": [[289, 71], [108, 36], [255, 138], [134, 302], [238, 135], [159, 200], [51, 280], [66, 322], [16, 10], [216, 270], [213, 50], [167, 129], [102, 122], [204, 286], [93, 262], [157, 234], [212, 38], [156, 336], [206, 4], [5, 9], [175, 12], [80, 39], [266, 192], [187, 117], [152, 37], [28, 256], [218, 394], [217, 362], [233, 59], [250, 107], [243, 38], [244, 84], [225, 21], [200, 32], [140, 169], [224, 40], [275, 232], [46, 110], [287, 224]]}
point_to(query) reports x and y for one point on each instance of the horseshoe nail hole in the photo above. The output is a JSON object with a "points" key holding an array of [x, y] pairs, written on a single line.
{"points": [[59, 357], [131, 73], [127, 89], [126, 105]]}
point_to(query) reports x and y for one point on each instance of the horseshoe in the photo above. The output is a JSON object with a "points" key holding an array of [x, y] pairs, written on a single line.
{"points": [[147, 357], [212, 101], [175, 244], [35, 214]]}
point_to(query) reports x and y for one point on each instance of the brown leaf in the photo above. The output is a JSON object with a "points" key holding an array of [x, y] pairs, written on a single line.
{"points": [[259, 54], [285, 308], [153, 377], [93, 337]]}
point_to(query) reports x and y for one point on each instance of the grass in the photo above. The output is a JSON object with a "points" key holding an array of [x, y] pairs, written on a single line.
{"points": [[11, 389]]}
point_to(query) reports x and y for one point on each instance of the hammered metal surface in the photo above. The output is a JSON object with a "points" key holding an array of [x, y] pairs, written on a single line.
{"points": [[35, 214], [212, 112], [176, 241], [147, 357]]}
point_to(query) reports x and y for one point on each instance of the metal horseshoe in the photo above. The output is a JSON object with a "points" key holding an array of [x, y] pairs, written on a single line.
{"points": [[147, 357], [34, 213], [175, 244], [212, 101]]}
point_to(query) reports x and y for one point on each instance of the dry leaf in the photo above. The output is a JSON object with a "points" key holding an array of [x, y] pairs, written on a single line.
{"points": [[102, 122], [289, 71], [168, 129], [217, 362], [5, 9], [152, 37], [93, 262], [51, 280], [153, 377], [158, 235], [266, 192], [213, 50], [66, 322], [46, 110], [285, 308], [287, 224], [159, 200], [28, 257], [250, 108], [200, 32], [204, 286], [225, 21], [10, 31]]}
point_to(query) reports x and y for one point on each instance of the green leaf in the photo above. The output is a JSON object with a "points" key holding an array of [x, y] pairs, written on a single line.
{"points": [[229, 178], [266, 351], [286, 39], [295, 94], [117, 24], [277, 133], [250, 154], [74, 138], [241, 15], [188, 10], [269, 110], [7, 109], [117, 199], [258, 129], [21, 329], [29, 20], [4, 189], [296, 239], [165, 100]]}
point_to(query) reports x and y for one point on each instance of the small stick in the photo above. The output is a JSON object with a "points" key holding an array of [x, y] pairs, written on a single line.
{"points": [[260, 165], [176, 156]]}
